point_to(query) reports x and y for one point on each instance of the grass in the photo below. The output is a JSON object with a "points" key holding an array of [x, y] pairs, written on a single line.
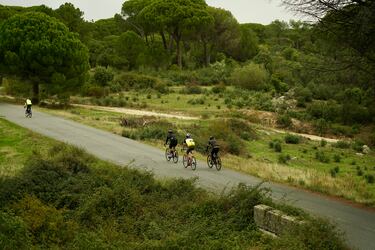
{"points": [[62, 197], [16, 146], [302, 170]]}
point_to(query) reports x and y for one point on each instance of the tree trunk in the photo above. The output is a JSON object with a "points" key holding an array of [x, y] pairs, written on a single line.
{"points": [[207, 56], [35, 98], [170, 46], [164, 40], [179, 54]]}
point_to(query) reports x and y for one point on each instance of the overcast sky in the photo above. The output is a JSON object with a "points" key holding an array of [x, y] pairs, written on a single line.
{"points": [[255, 11]]}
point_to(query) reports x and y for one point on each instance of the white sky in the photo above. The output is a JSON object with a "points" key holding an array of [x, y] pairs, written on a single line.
{"points": [[254, 11]]}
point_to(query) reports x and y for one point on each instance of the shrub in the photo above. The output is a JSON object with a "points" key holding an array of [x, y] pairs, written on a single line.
{"points": [[275, 145], [252, 76], [323, 143], [103, 76], [192, 88], [370, 178], [292, 139], [322, 157], [220, 88], [138, 81], [337, 158], [358, 145], [283, 159], [284, 120], [333, 172], [13, 232], [321, 126], [342, 144]]}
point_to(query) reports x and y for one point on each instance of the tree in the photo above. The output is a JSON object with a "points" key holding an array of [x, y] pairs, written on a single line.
{"points": [[72, 17], [223, 34], [348, 27], [130, 46], [41, 49], [177, 17]]}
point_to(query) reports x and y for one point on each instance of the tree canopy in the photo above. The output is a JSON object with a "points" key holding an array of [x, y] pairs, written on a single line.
{"points": [[39, 48]]}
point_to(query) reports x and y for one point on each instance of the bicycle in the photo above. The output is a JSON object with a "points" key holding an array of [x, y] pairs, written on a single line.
{"points": [[215, 161], [171, 155], [28, 113], [189, 160]]}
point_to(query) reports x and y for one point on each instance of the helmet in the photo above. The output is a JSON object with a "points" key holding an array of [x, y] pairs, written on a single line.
{"points": [[188, 135], [170, 131], [211, 137]]}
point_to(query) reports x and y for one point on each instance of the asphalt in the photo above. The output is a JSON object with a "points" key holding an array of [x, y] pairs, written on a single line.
{"points": [[357, 223]]}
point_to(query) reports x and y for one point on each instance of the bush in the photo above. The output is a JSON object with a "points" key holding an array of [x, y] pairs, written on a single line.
{"points": [[218, 88], [337, 158], [138, 82], [322, 157], [370, 178], [342, 144], [252, 76], [275, 145], [358, 145], [283, 159], [103, 76], [323, 143], [13, 232], [292, 139], [192, 88], [284, 120]]}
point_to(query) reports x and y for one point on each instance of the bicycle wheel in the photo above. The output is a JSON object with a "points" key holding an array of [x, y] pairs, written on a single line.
{"points": [[167, 154], [209, 161], [218, 163], [175, 156], [185, 161], [193, 163]]}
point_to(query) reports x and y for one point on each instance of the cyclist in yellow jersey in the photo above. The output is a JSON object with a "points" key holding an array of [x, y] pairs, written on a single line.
{"points": [[28, 105], [189, 143]]}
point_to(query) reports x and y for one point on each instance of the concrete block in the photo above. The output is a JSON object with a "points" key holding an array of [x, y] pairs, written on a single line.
{"points": [[260, 212]]}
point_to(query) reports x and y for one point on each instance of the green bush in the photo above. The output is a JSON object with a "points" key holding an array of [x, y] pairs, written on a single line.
{"points": [[292, 139], [284, 120], [321, 156], [283, 159], [370, 178], [13, 232], [358, 145], [342, 144], [138, 82], [220, 88], [103, 76], [337, 158], [192, 88], [275, 145], [252, 76]]}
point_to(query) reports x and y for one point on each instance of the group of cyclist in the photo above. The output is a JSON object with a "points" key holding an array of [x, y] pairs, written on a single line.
{"points": [[189, 144]]}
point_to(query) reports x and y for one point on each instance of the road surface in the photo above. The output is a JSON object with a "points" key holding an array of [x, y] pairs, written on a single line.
{"points": [[357, 223]]}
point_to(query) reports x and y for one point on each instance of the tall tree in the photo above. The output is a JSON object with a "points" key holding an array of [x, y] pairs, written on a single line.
{"points": [[348, 25], [177, 17], [40, 48]]}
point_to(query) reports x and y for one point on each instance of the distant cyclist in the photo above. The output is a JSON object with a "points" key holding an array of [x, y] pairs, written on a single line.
{"points": [[213, 147], [171, 141], [28, 105], [189, 144]]}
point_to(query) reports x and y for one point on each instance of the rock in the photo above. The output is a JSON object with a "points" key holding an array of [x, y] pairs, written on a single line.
{"points": [[366, 149], [359, 154]]}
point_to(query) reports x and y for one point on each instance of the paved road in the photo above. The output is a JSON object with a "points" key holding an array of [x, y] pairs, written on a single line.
{"points": [[358, 224]]}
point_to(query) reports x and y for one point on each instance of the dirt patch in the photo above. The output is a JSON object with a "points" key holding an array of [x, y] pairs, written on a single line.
{"points": [[136, 112]]}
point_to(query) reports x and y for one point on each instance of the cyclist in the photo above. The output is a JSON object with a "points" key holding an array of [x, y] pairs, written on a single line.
{"points": [[213, 147], [172, 141], [189, 144], [28, 105]]}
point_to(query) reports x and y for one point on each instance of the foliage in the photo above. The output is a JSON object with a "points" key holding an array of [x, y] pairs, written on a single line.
{"points": [[251, 76], [292, 139], [103, 76], [49, 54]]}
